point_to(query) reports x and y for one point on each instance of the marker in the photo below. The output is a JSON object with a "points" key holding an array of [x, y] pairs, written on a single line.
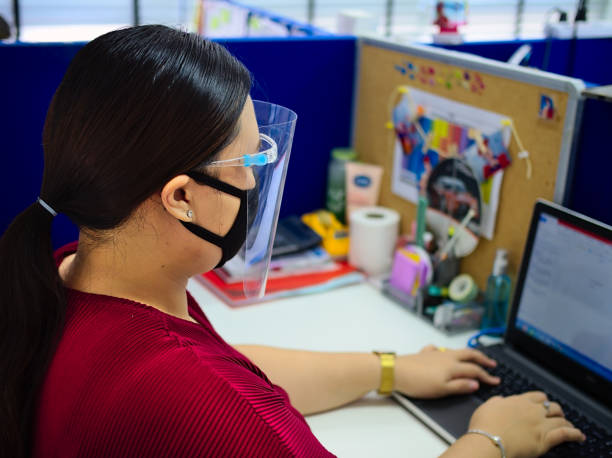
{"points": [[422, 208]]}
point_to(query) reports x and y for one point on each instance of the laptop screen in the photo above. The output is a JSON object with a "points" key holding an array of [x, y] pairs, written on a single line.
{"points": [[566, 300]]}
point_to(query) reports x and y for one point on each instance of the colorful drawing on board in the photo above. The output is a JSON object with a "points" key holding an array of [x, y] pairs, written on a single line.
{"points": [[414, 136], [425, 141], [547, 107], [430, 129]]}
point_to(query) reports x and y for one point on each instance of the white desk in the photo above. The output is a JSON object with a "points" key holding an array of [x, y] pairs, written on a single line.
{"points": [[354, 318]]}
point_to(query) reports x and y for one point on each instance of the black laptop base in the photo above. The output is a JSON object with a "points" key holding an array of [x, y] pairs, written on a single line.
{"points": [[449, 417]]}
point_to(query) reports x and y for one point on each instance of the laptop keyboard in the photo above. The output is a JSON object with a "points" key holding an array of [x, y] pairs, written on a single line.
{"points": [[598, 442]]}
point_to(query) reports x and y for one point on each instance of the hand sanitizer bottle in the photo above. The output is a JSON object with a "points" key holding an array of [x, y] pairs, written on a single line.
{"points": [[497, 293]]}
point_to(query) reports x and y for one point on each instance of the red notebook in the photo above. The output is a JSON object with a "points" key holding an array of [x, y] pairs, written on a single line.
{"points": [[233, 294]]}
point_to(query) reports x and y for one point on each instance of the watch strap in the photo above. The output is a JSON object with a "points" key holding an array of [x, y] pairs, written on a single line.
{"points": [[387, 372]]}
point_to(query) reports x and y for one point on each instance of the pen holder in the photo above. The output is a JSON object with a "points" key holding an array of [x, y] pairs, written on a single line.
{"points": [[411, 303], [445, 270], [452, 317], [431, 303], [412, 271]]}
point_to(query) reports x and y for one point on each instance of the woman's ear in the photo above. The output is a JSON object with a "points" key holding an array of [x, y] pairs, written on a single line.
{"points": [[176, 197]]}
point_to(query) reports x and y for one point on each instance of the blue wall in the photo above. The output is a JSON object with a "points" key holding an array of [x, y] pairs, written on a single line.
{"points": [[312, 76]]}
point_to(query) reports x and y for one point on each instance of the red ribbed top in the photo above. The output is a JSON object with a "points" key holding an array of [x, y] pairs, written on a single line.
{"points": [[129, 380]]}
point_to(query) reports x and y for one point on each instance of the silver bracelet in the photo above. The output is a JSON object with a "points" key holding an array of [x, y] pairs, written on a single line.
{"points": [[495, 439]]}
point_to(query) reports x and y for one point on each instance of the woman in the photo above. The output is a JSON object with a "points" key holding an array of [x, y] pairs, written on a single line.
{"points": [[103, 353]]}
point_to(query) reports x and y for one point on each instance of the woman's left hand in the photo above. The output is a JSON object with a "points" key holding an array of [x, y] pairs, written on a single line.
{"points": [[435, 372]]}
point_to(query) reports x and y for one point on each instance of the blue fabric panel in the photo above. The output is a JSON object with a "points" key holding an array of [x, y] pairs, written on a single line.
{"points": [[584, 58], [591, 191], [312, 76], [29, 76]]}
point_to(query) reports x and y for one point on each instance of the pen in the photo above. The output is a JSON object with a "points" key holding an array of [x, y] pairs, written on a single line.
{"points": [[447, 247]]}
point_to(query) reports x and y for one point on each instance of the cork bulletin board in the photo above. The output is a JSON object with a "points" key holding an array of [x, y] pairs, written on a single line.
{"points": [[515, 92]]}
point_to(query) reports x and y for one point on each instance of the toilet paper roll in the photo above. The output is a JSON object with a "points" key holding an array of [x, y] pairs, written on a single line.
{"points": [[373, 235]]}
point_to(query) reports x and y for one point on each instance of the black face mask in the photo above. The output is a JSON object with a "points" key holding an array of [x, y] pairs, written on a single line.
{"points": [[231, 242]]}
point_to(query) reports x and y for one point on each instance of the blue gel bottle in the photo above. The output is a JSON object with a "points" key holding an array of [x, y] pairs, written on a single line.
{"points": [[497, 293]]}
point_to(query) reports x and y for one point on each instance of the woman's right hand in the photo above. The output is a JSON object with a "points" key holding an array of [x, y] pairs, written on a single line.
{"points": [[527, 428]]}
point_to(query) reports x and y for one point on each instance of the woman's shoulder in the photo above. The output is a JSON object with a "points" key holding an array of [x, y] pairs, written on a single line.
{"points": [[142, 389], [129, 380], [102, 330], [112, 345]]}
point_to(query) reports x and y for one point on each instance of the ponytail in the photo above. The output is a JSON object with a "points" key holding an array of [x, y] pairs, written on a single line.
{"points": [[32, 308]]}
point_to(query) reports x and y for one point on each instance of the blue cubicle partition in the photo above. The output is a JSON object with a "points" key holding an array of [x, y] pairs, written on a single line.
{"points": [[584, 58], [313, 76], [591, 187]]}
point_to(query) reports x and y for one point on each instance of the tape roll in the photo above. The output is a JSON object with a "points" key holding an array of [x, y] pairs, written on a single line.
{"points": [[463, 289]]}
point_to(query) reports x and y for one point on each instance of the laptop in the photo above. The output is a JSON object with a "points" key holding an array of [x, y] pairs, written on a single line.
{"points": [[559, 333]]}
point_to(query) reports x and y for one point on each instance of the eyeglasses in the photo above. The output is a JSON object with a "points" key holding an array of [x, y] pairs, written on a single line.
{"points": [[268, 152]]}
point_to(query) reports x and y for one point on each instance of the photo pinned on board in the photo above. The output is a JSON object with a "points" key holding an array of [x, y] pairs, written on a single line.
{"points": [[547, 108], [453, 189], [454, 196]]}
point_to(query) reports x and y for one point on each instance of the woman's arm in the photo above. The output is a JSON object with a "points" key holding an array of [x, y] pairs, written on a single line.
{"points": [[319, 381], [472, 446]]}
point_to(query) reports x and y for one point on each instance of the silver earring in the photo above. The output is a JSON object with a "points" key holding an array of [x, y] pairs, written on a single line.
{"points": [[189, 214]]}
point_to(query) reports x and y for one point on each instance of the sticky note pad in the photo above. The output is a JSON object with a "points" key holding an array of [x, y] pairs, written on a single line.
{"points": [[406, 271]]}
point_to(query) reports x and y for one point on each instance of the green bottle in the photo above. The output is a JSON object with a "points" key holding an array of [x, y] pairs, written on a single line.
{"points": [[335, 200]]}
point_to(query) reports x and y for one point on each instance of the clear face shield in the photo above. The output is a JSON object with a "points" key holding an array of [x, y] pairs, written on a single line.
{"points": [[269, 169]]}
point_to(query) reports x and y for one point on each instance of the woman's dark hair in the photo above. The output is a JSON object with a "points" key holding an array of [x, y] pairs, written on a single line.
{"points": [[136, 107]]}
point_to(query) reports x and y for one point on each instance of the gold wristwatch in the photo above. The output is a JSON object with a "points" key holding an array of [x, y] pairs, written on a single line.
{"points": [[387, 371]]}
